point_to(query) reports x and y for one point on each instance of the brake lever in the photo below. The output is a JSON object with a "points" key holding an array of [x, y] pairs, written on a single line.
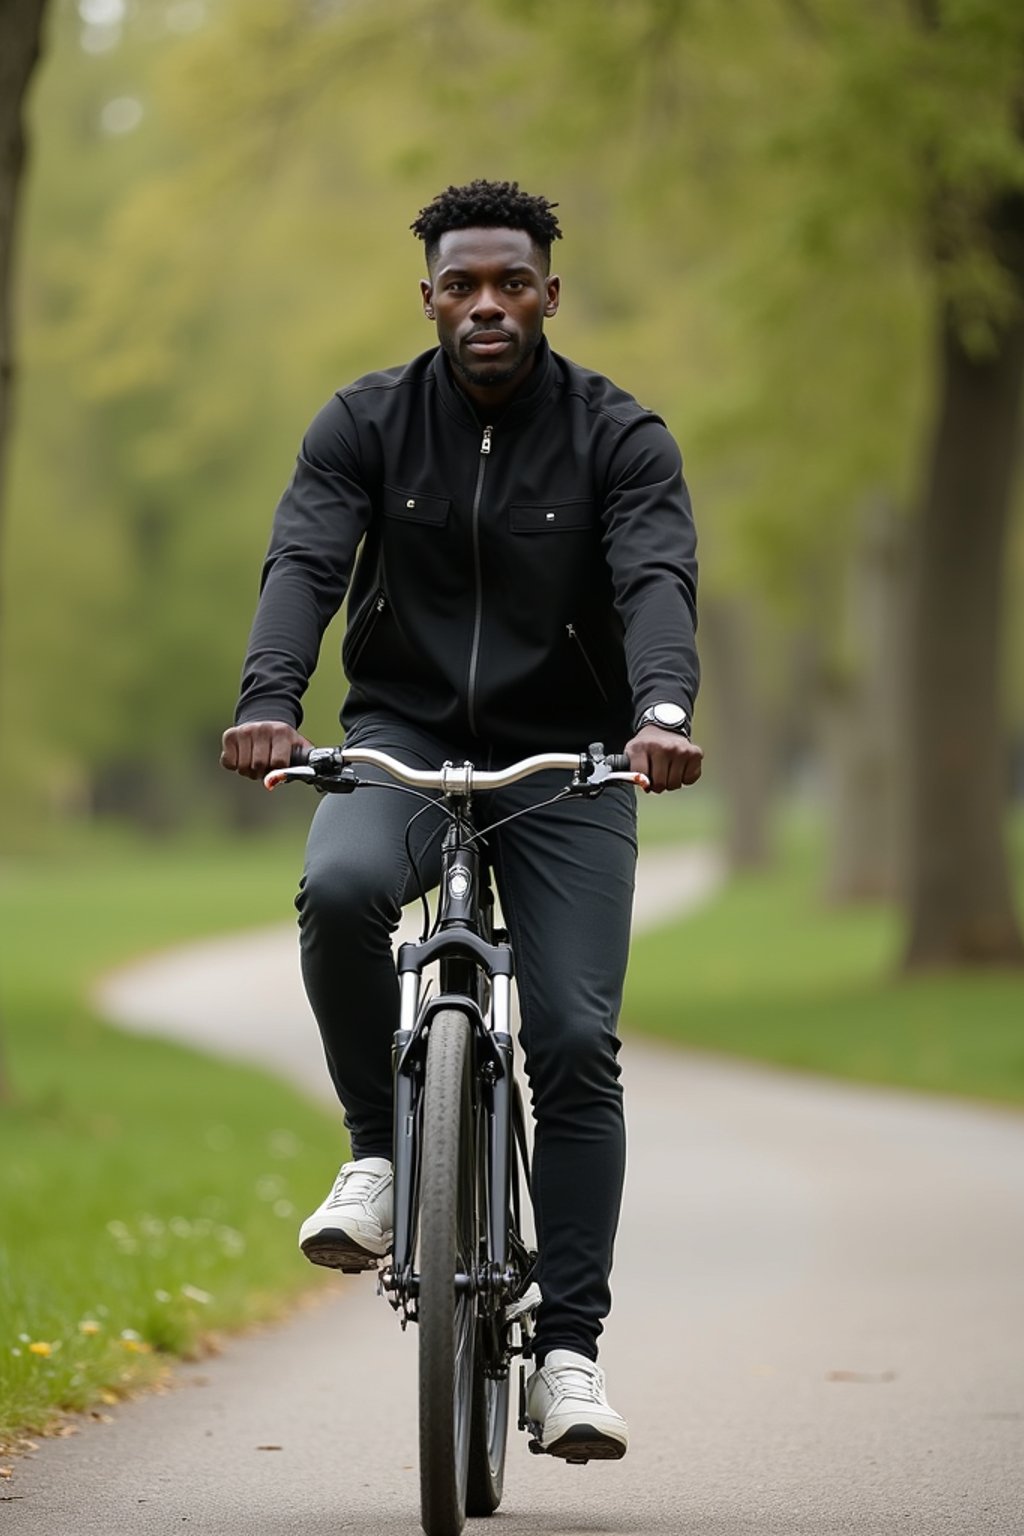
{"points": [[341, 783], [278, 776], [603, 772]]}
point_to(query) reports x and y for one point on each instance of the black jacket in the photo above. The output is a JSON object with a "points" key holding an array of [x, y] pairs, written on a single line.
{"points": [[528, 581]]}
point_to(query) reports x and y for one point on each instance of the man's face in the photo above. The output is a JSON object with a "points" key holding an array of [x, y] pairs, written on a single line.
{"points": [[489, 294]]}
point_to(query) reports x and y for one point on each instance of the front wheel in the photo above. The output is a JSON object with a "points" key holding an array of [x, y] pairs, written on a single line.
{"points": [[448, 1245]]}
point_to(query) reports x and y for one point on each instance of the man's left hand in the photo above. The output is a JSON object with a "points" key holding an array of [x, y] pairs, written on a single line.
{"points": [[668, 759]]}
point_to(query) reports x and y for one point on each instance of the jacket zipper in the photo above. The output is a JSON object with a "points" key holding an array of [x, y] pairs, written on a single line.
{"points": [[366, 628], [474, 655], [573, 634]]}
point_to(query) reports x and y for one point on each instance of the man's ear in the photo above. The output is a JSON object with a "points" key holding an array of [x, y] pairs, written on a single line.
{"points": [[553, 291], [427, 292]]}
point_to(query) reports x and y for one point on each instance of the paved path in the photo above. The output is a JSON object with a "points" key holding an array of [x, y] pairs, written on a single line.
{"points": [[818, 1331]]}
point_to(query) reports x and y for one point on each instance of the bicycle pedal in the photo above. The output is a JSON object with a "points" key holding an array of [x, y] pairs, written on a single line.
{"points": [[580, 1459], [529, 1301]]}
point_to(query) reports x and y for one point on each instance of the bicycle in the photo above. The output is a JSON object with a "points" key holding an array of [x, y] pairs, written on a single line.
{"points": [[460, 1266]]}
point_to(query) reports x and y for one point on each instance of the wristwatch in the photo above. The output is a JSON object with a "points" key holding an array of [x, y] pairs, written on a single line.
{"points": [[671, 717]]}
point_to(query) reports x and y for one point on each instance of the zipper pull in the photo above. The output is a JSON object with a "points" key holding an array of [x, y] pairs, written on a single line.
{"points": [[379, 605], [570, 630], [485, 446]]}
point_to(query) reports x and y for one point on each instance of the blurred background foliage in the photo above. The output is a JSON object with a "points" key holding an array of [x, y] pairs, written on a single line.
{"points": [[793, 227], [774, 211]]}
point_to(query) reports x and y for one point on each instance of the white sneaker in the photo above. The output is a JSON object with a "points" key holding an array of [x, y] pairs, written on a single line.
{"points": [[569, 1413], [353, 1227]]}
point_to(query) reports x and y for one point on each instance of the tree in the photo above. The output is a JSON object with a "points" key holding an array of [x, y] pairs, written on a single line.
{"points": [[941, 87], [961, 898], [21, 23]]}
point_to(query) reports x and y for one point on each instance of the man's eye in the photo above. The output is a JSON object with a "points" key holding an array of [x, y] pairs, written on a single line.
{"points": [[516, 284]]}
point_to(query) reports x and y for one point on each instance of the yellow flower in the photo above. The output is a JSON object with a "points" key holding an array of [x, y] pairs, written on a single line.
{"points": [[40, 1347], [89, 1325], [136, 1346]]}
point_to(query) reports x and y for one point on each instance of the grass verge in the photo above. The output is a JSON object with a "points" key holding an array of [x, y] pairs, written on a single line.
{"points": [[150, 1193], [767, 971]]}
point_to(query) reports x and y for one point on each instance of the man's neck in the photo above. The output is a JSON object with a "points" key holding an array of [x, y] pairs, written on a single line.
{"points": [[488, 398]]}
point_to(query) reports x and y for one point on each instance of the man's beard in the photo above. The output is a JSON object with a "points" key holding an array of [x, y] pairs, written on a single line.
{"points": [[496, 373]]}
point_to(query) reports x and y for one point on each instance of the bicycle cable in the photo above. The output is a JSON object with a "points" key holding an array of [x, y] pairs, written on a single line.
{"points": [[563, 794], [414, 862]]}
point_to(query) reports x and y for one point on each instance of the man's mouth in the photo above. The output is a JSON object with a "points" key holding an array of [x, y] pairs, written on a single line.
{"points": [[488, 343]]}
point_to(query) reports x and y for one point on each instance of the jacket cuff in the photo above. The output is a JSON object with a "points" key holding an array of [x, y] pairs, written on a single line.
{"points": [[269, 709]]}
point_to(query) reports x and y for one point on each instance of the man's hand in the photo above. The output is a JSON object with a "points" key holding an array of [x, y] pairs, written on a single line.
{"points": [[668, 759], [253, 749]]}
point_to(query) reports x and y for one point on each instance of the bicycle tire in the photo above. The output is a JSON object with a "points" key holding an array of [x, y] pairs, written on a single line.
{"points": [[488, 1442], [448, 1243], [489, 1420]]}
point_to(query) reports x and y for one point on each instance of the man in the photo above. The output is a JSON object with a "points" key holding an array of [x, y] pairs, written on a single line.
{"points": [[515, 539]]}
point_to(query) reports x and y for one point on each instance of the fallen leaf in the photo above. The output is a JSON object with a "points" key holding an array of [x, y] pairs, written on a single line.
{"points": [[270, 1447], [872, 1378]]}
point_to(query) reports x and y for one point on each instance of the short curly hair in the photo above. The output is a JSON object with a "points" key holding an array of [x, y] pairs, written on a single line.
{"points": [[487, 205]]}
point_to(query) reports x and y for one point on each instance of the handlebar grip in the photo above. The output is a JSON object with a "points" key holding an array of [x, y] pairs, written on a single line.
{"points": [[300, 757], [618, 762]]}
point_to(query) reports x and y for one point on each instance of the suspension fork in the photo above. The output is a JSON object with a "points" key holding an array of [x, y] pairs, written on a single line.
{"points": [[407, 1077]]}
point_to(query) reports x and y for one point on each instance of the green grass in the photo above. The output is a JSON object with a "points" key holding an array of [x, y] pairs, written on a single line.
{"points": [[149, 1194], [694, 815], [767, 971]]}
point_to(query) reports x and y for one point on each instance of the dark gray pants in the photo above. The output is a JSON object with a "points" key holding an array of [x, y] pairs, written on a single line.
{"points": [[565, 879]]}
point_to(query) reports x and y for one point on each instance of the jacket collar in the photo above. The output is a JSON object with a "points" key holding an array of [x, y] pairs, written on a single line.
{"points": [[531, 395]]}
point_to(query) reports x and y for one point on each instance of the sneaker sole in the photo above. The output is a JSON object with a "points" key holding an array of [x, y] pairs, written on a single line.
{"points": [[581, 1444], [336, 1250]]}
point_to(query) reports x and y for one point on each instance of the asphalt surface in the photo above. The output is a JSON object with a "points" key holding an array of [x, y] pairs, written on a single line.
{"points": [[819, 1300]]}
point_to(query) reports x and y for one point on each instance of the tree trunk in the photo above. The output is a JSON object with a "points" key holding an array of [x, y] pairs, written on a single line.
{"points": [[864, 720], [20, 33], [744, 758], [21, 24], [961, 906]]}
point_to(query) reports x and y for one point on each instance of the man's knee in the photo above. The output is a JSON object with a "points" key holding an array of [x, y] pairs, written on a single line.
{"points": [[572, 1060], [337, 898]]}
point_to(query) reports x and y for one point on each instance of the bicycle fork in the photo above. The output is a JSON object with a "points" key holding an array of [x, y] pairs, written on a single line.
{"points": [[466, 958]]}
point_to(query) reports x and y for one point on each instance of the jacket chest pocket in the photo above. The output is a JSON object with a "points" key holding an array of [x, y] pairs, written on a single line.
{"points": [[415, 507], [551, 517]]}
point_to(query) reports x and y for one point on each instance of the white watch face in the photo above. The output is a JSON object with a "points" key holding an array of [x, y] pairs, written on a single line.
{"points": [[671, 716]]}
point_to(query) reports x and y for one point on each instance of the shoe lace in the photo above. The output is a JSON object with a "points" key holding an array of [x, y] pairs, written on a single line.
{"points": [[354, 1183], [577, 1381]]}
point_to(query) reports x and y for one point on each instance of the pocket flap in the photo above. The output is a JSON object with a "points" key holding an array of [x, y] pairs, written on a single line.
{"points": [[554, 517], [414, 506]]}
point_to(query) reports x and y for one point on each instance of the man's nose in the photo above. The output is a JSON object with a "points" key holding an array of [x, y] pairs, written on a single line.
{"points": [[488, 305]]}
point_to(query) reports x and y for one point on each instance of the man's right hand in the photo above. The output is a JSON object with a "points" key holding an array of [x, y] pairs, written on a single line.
{"points": [[253, 749]]}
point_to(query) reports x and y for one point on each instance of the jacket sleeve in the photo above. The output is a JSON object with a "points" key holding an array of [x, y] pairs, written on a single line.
{"points": [[651, 547], [320, 519]]}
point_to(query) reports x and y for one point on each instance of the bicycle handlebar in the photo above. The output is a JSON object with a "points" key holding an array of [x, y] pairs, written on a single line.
{"points": [[590, 769]]}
